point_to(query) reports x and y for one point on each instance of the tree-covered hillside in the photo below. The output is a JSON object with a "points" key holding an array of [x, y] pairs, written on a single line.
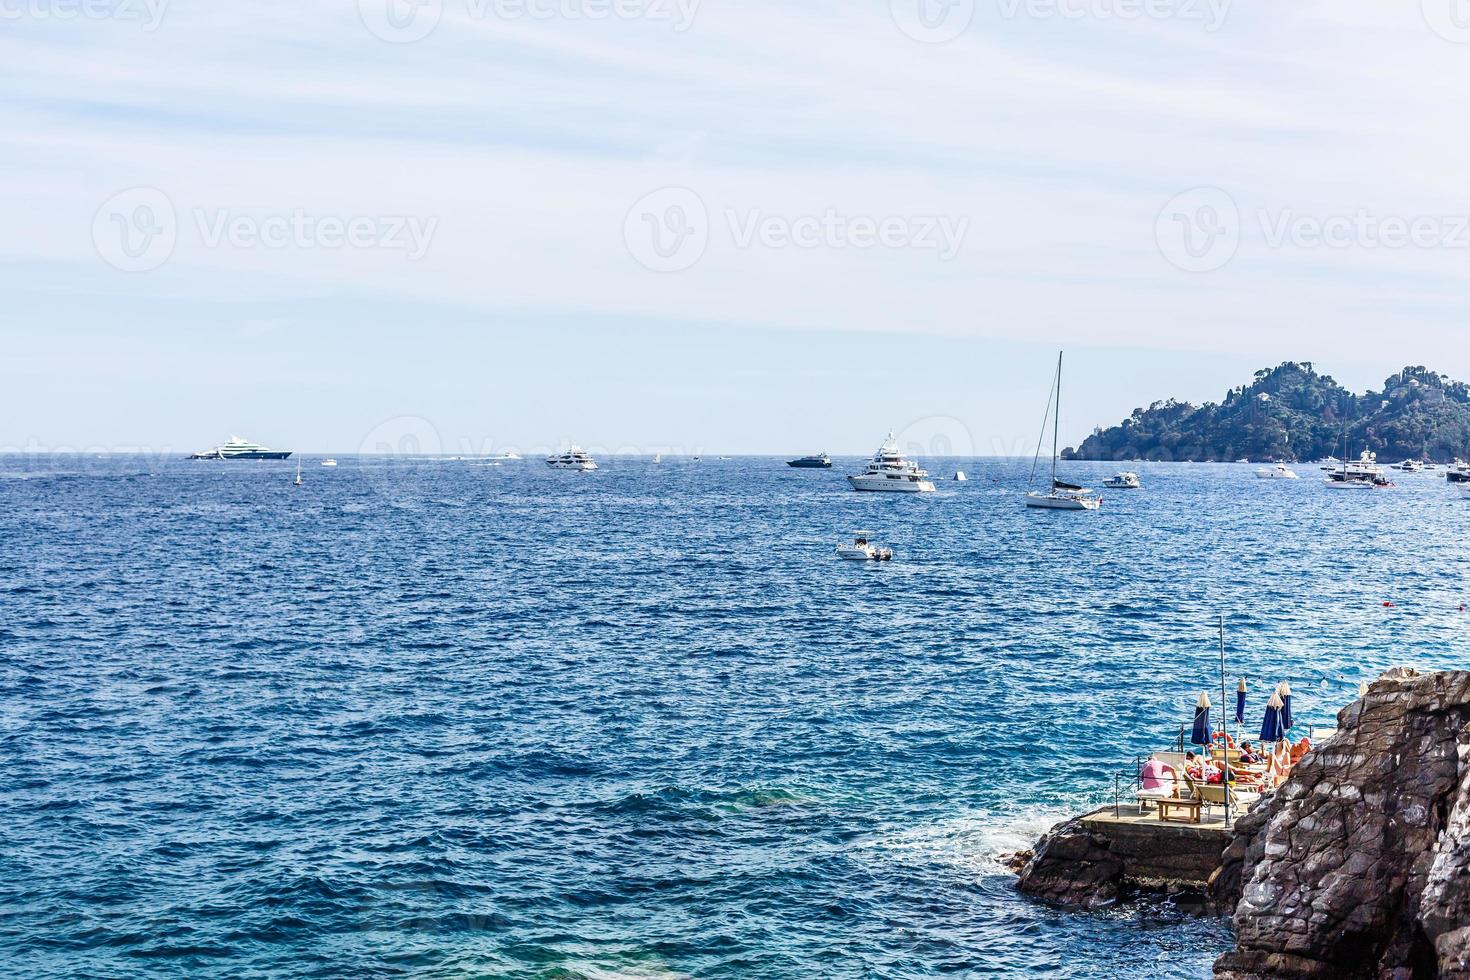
{"points": [[1293, 413]]}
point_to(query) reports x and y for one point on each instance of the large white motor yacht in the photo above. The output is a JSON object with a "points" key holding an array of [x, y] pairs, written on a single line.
{"points": [[889, 471], [1127, 480], [1365, 474], [1278, 472], [572, 459], [237, 448]]}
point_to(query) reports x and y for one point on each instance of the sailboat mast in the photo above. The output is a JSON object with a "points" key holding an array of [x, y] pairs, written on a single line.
{"points": [[1056, 422]]}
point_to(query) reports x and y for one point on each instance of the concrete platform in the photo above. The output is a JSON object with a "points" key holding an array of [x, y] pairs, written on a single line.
{"points": [[1211, 823]]}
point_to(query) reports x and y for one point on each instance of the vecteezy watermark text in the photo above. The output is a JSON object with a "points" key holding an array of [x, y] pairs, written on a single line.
{"points": [[670, 229], [1201, 230], [407, 21], [938, 21], [147, 14], [137, 230]]}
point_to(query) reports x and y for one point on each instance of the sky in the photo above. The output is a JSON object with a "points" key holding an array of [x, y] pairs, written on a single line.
{"points": [[709, 226]]}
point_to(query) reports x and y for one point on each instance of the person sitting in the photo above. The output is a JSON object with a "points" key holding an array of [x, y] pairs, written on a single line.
{"points": [[1247, 755], [1300, 749]]}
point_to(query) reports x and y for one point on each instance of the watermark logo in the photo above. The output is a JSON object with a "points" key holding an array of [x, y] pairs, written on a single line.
{"points": [[1202, 229], [397, 459], [1450, 19], [932, 21], [407, 21], [1209, 14], [136, 230], [400, 21], [147, 14], [935, 436], [668, 230], [1198, 230]]}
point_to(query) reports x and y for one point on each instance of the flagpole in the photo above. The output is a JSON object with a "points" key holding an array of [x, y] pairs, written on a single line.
{"points": [[1225, 763]]}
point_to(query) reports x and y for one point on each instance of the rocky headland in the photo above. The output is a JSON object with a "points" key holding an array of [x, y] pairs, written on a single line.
{"points": [[1357, 867]]}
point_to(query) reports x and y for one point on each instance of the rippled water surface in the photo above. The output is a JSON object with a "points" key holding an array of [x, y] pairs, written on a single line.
{"points": [[441, 719]]}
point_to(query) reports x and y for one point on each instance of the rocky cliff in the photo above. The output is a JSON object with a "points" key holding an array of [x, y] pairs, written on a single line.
{"points": [[1359, 866]]}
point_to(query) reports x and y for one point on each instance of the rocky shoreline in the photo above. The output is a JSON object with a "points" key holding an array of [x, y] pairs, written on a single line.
{"points": [[1357, 867]]}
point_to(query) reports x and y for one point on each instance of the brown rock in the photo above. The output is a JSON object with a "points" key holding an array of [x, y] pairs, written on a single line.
{"points": [[1359, 866], [1073, 867]]}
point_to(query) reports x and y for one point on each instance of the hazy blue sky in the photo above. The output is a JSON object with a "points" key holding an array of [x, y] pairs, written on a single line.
{"points": [[700, 224]]}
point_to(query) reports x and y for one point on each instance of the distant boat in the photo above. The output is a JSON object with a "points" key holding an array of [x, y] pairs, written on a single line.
{"points": [[1127, 480], [237, 448], [1061, 496], [888, 471], [329, 462], [862, 550], [298, 471], [959, 476], [658, 457], [572, 459], [821, 461], [1278, 472]]}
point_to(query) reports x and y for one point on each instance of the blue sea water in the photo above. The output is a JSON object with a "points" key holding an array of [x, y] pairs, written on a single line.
{"points": [[445, 720]]}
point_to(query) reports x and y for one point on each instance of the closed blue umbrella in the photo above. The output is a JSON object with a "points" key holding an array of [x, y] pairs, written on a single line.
{"points": [[1271, 730], [1240, 702], [1201, 735], [1285, 706]]}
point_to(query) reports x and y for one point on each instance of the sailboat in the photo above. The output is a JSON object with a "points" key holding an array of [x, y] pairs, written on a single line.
{"points": [[298, 471], [1061, 496]]}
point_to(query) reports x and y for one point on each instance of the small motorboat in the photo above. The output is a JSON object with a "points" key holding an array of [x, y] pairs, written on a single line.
{"points": [[329, 462], [862, 550], [1278, 472], [821, 461], [1409, 466], [1123, 481]]}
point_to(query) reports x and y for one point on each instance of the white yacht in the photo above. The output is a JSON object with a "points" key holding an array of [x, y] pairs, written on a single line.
{"points": [[503, 457], [1458, 471], [1278, 472], [1365, 474], [237, 448], [1061, 496], [1127, 480], [329, 462], [1409, 466], [862, 550], [889, 471], [572, 459]]}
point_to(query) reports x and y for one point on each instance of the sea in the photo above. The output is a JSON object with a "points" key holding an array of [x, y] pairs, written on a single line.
{"points": [[447, 719]]}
